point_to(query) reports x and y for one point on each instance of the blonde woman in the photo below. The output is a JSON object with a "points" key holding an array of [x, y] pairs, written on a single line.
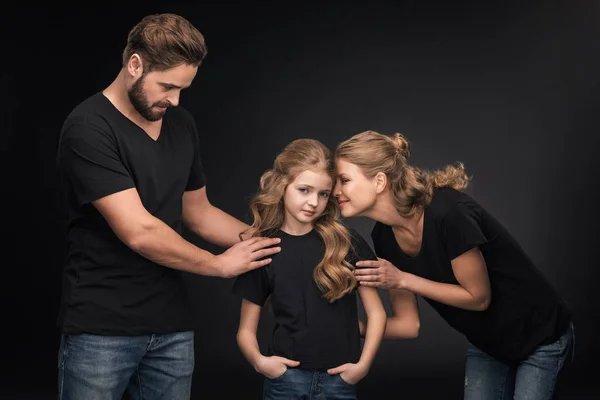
{"points": [[437, 242], [315, 347]]}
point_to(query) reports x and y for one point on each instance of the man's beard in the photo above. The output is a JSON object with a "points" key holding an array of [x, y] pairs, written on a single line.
{"points": [[138, 100]]}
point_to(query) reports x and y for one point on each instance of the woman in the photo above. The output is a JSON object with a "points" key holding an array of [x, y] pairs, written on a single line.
{"points": [[442, 245]]}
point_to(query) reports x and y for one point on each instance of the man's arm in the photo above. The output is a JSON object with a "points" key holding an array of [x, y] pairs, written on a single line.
{"points": [[155, 240], [209, 222]]}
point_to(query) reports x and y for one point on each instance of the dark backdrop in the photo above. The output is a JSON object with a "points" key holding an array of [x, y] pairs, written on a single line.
{"points": [[509, 89]]}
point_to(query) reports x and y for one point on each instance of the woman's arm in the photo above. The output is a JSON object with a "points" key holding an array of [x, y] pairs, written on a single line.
{"points": [[404, 322], [472, 293]]}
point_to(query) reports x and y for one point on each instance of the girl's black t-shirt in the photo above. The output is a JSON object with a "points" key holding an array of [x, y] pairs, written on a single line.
{"points": [[308, 329]]}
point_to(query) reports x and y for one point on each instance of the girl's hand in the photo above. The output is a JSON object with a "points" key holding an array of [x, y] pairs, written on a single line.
{"points": [[350, 373], [274, 366]]}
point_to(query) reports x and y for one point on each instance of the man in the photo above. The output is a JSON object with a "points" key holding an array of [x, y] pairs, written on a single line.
{"points": [[131, 165]]}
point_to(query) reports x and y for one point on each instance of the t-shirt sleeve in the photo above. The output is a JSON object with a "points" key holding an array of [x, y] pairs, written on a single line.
{"points": [[461, 231], [197, 178], [361, 249], [253, 286], [89, 157]]}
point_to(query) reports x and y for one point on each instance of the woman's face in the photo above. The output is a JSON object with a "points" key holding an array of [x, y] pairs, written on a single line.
{"points": [[355, 193]]}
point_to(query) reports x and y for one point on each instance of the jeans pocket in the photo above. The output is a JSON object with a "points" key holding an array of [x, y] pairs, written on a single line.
{"points": [[278, 377], [343, 381]]}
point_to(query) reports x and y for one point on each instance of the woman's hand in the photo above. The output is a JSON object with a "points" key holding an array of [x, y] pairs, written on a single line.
{"points": [[381, 273]]}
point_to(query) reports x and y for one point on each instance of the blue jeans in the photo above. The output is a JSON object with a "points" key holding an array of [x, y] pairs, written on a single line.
{"points": [[305, 384], [531, 379], [95, 367]]}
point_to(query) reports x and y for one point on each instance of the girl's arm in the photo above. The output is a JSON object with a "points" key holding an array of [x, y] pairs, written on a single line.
{"points": [[271, 367], [375, 327], [473, 291]]}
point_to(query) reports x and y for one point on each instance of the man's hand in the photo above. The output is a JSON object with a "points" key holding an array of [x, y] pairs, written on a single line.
{"points": [[274, 366], [243, 256]]}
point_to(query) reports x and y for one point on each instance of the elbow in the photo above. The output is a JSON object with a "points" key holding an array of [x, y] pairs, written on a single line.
{"points": [[140, 238], [137, 241], [414, 331], [402, 329], [483, 303]]}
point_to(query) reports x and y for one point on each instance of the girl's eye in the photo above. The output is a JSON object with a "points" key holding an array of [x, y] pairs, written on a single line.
{"points": [[324, 195], [303, 190]]}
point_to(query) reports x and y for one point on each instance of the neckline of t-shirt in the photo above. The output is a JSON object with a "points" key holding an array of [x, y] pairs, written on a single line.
{"points": [[423, 237], [123, 116], [284, 233]]}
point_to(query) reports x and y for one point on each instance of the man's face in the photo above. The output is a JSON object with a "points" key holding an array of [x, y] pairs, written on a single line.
{"points": [[154, 92]]}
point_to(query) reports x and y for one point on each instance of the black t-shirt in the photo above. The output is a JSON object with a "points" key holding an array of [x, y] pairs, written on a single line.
{"points": [[525, 311], [108, 289], [308, 328]]}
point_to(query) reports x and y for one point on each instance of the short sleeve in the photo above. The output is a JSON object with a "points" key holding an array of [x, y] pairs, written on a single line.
{"points": [[197, 178], [253, 286], [89, 158], [461, 231], [360, 248]]}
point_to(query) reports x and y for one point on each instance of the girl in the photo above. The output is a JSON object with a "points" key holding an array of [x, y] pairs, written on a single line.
{"points": [[315, 346], [441, 244]]}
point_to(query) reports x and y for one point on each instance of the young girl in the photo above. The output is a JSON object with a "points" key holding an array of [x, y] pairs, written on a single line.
{"points": [[441, 244], [315, 346]]}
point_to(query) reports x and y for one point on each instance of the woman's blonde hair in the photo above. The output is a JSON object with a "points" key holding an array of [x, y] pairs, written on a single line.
{"points": [[411, 187], [333, 275]]}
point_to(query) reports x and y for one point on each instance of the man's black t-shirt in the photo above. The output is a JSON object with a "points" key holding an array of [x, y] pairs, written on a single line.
{"points": [[525, 311], [308, 328], [108, 289]]}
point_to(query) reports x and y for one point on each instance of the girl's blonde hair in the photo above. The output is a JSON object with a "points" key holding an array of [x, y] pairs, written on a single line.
{"points": [[411, 187], [333, 275]]}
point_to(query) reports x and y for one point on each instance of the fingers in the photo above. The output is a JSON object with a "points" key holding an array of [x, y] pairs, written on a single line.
{"points": [[337, 370], [265, 252], [372, 284], [258, 264], [366, 271], [368, 264], [290, 363], [258, 243]]}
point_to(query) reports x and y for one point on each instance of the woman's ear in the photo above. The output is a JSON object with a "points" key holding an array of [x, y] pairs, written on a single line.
{"points": [[380, 182]]}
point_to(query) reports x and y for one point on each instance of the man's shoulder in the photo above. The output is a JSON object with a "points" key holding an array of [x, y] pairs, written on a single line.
{"points": [[92, 112]]}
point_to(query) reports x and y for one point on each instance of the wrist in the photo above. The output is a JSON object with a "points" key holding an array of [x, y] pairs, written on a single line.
{"points": [[364, 366], [257, 363], [403, 281]]}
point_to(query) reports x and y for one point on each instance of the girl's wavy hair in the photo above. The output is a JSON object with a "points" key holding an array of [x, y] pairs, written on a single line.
{"points": [[333, 275]]}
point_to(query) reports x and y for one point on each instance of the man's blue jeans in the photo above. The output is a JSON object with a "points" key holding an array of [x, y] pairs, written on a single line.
{"points": [[532, 379], [149, 367]]}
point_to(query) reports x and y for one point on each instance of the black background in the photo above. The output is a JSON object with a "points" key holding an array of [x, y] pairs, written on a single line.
{"points": [[511, 89]]}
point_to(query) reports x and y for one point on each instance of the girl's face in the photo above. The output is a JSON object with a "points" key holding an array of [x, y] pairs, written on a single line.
{"points": [[355, 193], [305, 199]]}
